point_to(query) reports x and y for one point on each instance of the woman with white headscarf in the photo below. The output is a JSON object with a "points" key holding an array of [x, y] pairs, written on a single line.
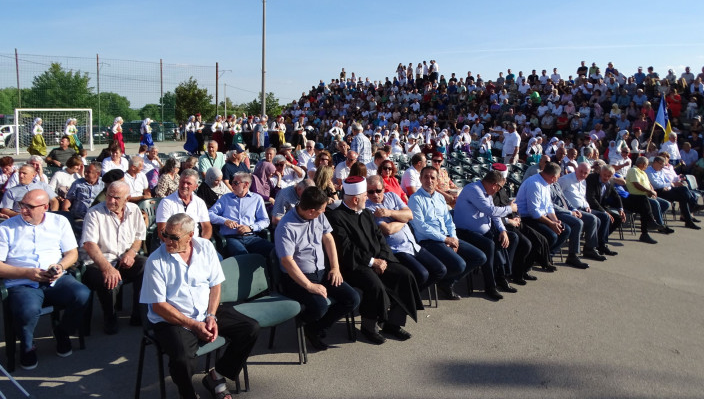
{"points": [[485, 147], [613, 152], [117, 133], [552, 147], [71, 131], [146, 131], [38, 145], [396, 148], [191, 144], [621, 140]]}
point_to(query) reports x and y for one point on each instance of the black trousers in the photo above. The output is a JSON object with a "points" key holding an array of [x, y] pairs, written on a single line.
{"points": [[181, 346], [639, 204], [93, 278]]}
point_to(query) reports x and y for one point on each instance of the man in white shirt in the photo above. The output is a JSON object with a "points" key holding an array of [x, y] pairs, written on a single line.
{"points": [[137, 180], [152, 161], [670, 147], [410, 182], [342, 170], [307, 156], [113, 232], [512, 143], [185, 201]]}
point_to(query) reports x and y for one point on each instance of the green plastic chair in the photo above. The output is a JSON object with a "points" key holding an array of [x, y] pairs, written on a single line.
{"points": [[246, 287]]}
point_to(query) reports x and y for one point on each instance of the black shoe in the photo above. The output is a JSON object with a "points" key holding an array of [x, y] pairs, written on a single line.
{"points": [[646, 238], [665, 230], [519, 280], [448, 292], [505, 286], [574, 261], [549, 268], [373, 336], [606, 251], [691, 225], [111, 326], [493, 294], [314, 339], [529, 277], [591, 253], [396, 332], [695, 220], [63, 344], [28, 360]]}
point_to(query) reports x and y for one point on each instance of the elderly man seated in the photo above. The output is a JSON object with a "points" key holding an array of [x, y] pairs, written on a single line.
{"points": [[137, 180], [242, 215], [286, 173], [673, 191], [392, 217], [182, 289], [640, 192], [83, 191], [212, 158], [185, 201], [287, 199], [36, 248], [113, 232], [10, 205], [235, 162]]}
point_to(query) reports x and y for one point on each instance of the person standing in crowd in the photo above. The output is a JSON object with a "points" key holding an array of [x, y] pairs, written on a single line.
{"points": [[117, 133], [38, 145]]}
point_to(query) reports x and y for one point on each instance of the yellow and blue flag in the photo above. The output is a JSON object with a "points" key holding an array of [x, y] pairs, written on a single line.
{"points": [[662, 120]]}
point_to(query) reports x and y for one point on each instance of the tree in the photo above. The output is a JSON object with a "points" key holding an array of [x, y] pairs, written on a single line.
{"points": [[8, 99], [112, 105], [152, 111], [190, 100], [273, 108], [169, 104], [57, 88]]}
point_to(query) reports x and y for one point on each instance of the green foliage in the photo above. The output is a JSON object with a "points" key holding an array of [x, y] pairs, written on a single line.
{"points": [[111, 106], [152, 111], [169, 104], [273, 108], [57, 88], [8, 99], [190, 100]]}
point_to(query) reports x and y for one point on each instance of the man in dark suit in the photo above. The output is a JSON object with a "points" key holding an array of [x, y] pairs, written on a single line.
{"points": [[601, 196]]}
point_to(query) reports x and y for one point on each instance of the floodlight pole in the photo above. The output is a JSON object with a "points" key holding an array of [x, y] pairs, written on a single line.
{"points": [[263, 57]]}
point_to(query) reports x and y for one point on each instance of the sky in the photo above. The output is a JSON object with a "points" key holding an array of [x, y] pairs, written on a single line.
{"points": [[311, 40]]}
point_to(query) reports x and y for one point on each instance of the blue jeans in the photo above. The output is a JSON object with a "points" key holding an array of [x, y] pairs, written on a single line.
{"points": [[240, 245], [659, 206], [26, 305], [458, 264], [426, 268]]}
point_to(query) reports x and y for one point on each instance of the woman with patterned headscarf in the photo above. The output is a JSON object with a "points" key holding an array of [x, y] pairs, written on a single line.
{"points": [[146, 130], [38, 145], [117, 133]]}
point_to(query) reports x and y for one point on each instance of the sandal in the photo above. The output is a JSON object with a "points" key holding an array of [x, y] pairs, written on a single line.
{"points": [[210, 385]]}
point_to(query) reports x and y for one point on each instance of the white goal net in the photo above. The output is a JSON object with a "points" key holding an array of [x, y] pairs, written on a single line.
{"points": [[53, 125]]}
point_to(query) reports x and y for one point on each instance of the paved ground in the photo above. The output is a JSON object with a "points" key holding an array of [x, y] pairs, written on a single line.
{"points": [[630, 327]]}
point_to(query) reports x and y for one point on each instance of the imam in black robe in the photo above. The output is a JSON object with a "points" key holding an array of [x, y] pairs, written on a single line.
{"points": [[358, 239]]}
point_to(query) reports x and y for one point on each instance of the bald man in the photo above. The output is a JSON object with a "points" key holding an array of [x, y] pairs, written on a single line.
{"points": [[36, 247]]}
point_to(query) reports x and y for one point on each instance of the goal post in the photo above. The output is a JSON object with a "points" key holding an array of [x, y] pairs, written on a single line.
{"points": [[53, 123]]}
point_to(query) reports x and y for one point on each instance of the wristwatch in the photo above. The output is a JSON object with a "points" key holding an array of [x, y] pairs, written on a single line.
{"points": [[211, 315]]}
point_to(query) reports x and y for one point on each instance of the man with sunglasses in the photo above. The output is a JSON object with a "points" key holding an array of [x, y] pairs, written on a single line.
{"points": [[36, 247], [113, 232], [242, 215], [181, 286]]}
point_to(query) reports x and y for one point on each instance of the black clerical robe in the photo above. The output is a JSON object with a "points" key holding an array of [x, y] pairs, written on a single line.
{"points": [[358, 240]]}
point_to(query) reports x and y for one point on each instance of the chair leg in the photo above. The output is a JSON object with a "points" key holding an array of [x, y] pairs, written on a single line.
{"points": [[437, 298], [470, 284], [246, 377], [10, 338], [272, 333], [300, 338], [140, 368], [351, 330], [162, 377]]}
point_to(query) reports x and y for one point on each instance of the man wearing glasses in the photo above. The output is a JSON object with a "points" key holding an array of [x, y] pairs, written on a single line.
{"points": [[113, 232], [390, 292], [242, 215], [182, 289], [286, 173], [36, 248]]}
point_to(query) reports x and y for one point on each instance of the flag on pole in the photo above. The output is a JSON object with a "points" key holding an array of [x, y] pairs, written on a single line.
{"points": [[662, 120]]}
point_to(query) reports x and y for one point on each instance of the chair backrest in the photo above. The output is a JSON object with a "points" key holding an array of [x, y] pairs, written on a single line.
{"points": [[692, 181], [149, 207], [245, 278]]}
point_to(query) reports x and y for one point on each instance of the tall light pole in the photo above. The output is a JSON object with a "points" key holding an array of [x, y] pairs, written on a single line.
{"points": [[263, 57]]}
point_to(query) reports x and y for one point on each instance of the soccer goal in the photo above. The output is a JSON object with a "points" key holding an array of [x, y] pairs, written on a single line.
{"points": [[53, 124]]}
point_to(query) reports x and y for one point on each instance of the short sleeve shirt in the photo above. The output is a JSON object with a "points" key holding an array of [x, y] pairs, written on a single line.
{"points": [[303, 240], [173, 204], [137, 184], [113, 236]]}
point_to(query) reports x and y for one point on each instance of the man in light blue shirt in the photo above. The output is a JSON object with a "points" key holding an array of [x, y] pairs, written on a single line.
{"points": [[393, 216], [35, 249], [242, 215], [479, 223], [535, 206], [181, 286], [13, 196], [361, 144], [435, 231], [673, 191]]}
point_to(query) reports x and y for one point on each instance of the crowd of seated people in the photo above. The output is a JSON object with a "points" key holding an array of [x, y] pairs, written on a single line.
{"points": [[353, 193]]}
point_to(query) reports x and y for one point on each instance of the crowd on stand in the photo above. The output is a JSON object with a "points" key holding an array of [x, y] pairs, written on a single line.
{"points": [[359, 183]]}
